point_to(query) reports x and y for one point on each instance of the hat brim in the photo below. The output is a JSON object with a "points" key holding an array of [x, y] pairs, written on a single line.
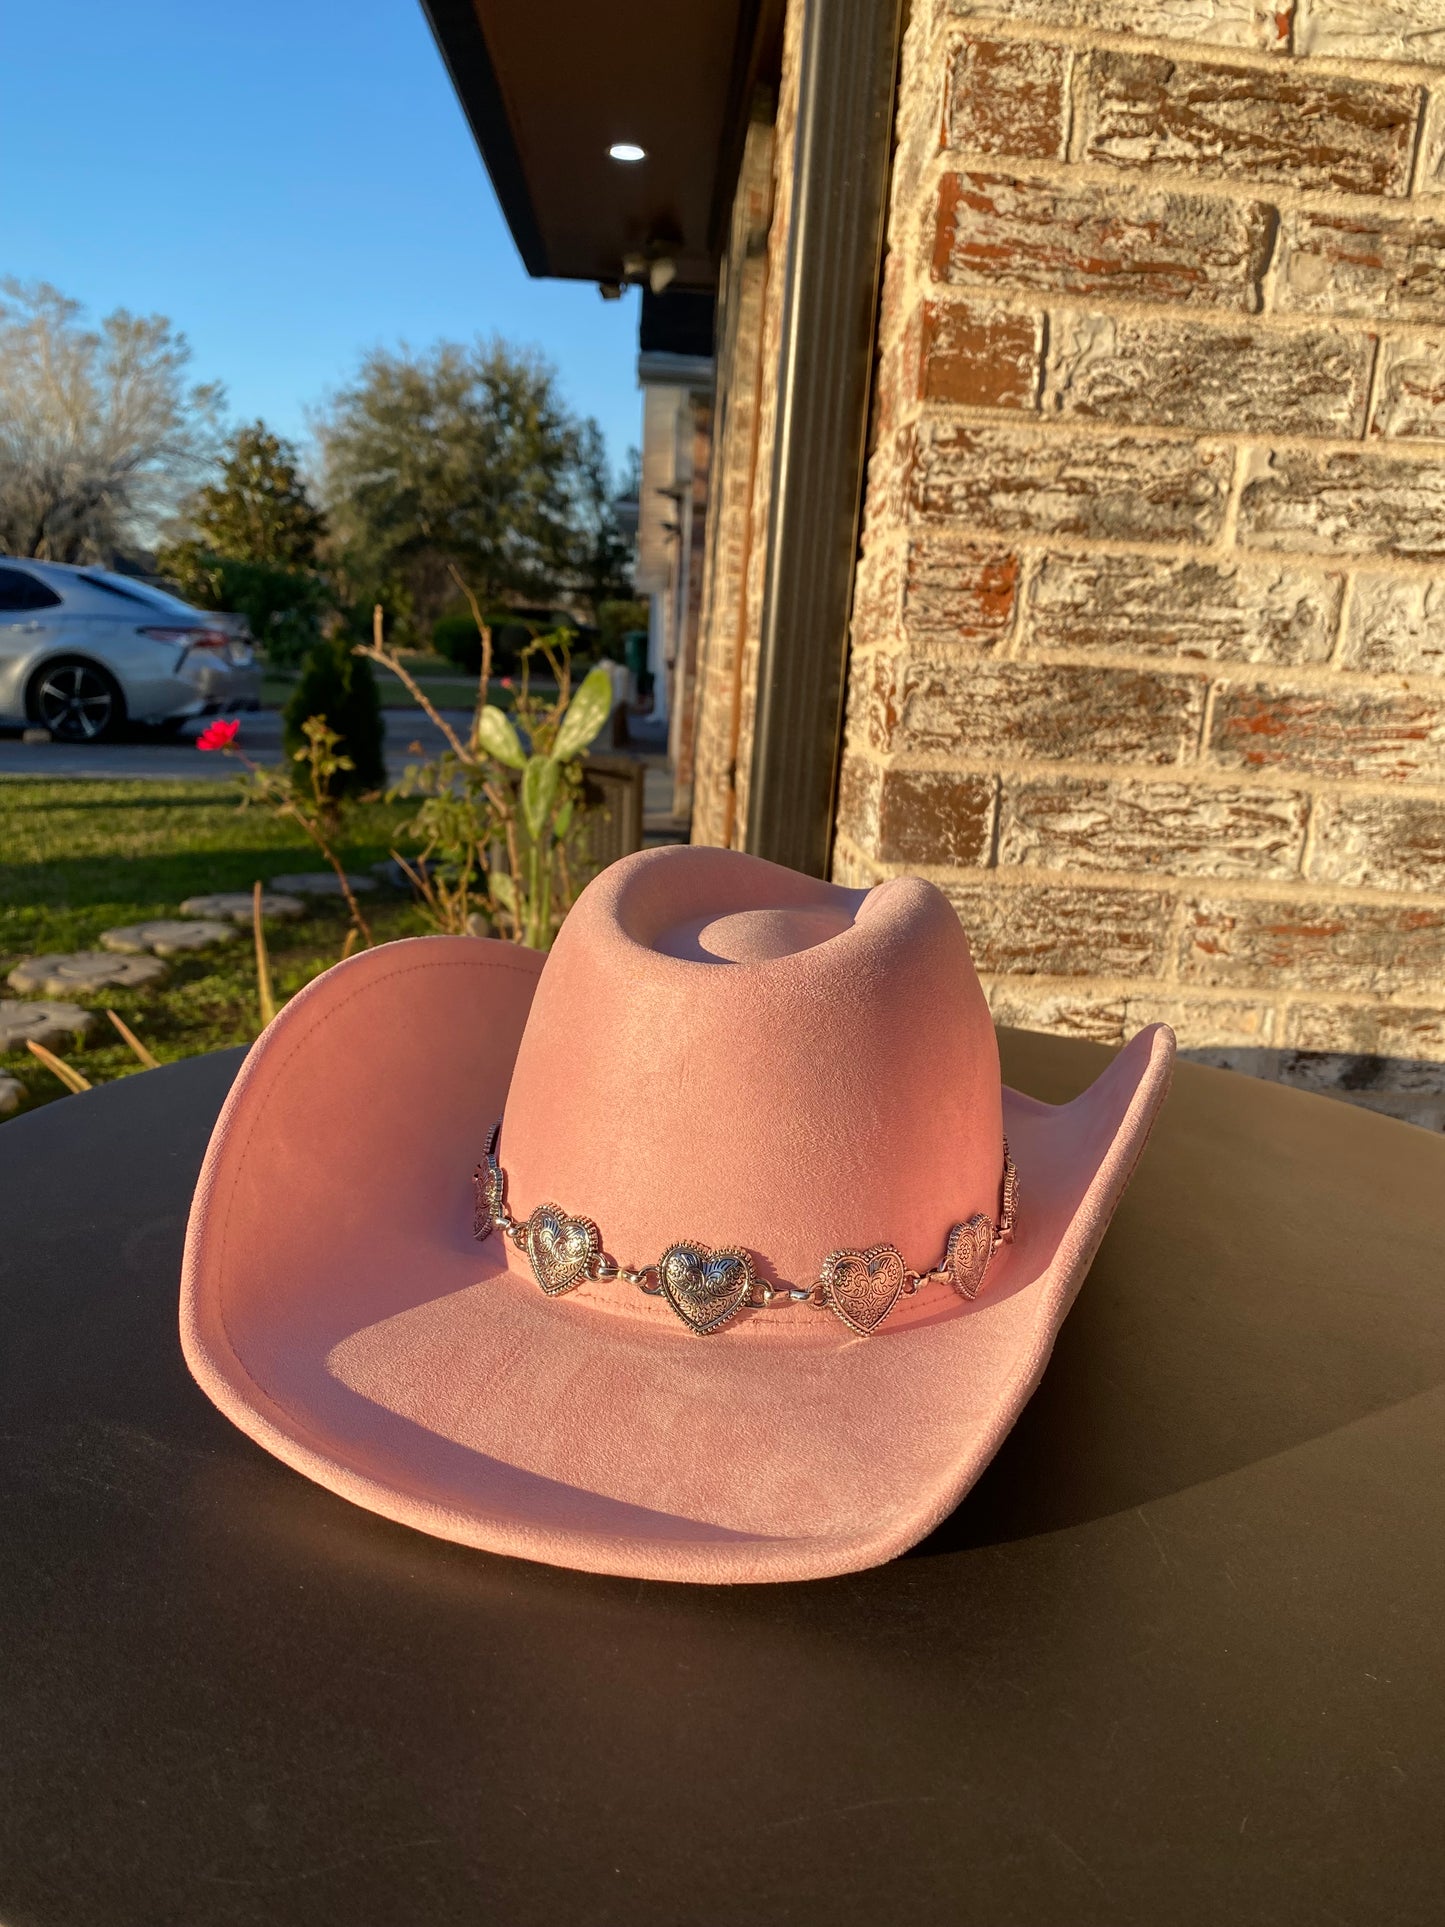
{"points": [[336, 1307]]}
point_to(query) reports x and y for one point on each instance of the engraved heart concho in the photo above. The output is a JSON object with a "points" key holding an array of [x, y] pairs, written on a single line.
{"points": [[970, 1246], [864, 1286], [705, 1287], [487, 1179], [560, 1248]]}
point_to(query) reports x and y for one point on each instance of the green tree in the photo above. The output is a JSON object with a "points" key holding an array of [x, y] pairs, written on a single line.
{"points": [[602, 561], [254, 545], [259, 510], [465, 457]]}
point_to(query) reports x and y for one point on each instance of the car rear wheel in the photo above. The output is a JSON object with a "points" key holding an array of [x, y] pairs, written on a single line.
{"points": [[77, 701]]}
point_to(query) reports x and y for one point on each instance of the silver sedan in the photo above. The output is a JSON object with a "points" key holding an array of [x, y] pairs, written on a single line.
{"points": [[84, 650]]}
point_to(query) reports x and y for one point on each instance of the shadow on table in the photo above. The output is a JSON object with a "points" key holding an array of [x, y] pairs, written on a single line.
{"points": [[1271, 1276]]}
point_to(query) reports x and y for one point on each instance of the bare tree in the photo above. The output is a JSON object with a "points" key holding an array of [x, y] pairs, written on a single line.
{"points": [[100, 435]]}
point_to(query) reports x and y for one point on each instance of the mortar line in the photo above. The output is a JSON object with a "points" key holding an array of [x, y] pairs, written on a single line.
{"points": [[1372, 389], [1191, 884], [1159, 177], [1334, 660], [1417, 158], [1188, 51], [1277, 324], [1412, 451], [1227, 539]]}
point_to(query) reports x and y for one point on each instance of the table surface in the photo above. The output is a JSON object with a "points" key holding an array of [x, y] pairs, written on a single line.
{"points": [[1176, 1659]]}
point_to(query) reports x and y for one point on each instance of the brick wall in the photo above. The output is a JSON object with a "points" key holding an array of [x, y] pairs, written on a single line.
{"points": [[741, 296], [1148, 663], [749, 345], [693, 520]]}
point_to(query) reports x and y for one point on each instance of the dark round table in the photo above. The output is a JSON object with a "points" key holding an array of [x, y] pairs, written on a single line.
{"points": [[1177, 1659]]}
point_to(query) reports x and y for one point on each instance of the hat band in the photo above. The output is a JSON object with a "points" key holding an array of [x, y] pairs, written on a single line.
{"points": [[708, 1286]]}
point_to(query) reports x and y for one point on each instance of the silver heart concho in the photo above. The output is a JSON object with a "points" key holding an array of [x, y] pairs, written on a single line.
{"points": [[970, 1246], [561, 1249], [488, 1181], [705, 1287], [864, 1286]]}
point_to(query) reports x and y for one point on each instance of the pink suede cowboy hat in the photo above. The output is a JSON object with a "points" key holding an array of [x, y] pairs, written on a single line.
{"points": [[741, 1292]]}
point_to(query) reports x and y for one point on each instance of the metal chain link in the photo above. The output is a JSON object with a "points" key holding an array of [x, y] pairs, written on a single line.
{"points": [[601, 1267]]}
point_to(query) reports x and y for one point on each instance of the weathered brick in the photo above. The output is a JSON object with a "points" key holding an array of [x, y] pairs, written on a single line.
{"points": [[1006, 98], [1051, 930], [1046, 710], [1188, 250], [1201, 1023], [877, 596], [1231, 123], [1342, 731], [959, 594], [1062, 1013], [1395, 1067], [851, 868], [1422, 1107], [1410, 387], [1207, 611], [855, 815], [1287, 942], [1123, 488], [875, 694], [981, 357], [917, 816], [1385, 842], [1372, 29], [1372, 503], [1370, 1030], [1169, 374], [1161, 829], [1396, 625], [1220, 23], [1385, 267]]}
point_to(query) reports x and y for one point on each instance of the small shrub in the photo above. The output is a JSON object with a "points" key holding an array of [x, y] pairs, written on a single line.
{"points": [[456, 638], [338, 685]]}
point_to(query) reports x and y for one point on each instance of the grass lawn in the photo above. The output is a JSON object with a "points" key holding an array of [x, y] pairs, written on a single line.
{"points": [[444, 692], [442, 683], [78, 857]]}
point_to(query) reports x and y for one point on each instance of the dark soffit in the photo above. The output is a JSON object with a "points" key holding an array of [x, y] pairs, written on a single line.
{"points": [[548, 85]]}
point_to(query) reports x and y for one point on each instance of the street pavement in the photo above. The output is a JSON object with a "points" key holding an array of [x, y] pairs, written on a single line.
{"points": [[154, 756]]}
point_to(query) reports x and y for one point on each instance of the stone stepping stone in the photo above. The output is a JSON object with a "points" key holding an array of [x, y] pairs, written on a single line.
{"points": [[168, 936], [86, 970], [390, 873], [321, 883], [235, 906], [48, 1024], [12, 1095]]}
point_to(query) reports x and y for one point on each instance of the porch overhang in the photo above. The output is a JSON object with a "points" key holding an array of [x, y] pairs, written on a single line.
{"points": [[548, 87]]}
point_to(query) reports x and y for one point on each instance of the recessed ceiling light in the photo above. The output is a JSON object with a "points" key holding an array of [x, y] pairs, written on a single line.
{"points": [[626, 151]]}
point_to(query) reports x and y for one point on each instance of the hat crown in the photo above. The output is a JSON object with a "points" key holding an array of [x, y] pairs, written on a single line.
{"points": [[724, 1051]]}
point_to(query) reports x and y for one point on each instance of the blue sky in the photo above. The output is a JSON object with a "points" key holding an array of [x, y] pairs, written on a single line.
{"points": [[292, 182]]}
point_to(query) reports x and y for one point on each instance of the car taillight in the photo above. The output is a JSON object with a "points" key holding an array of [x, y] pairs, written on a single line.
{"points": [[213, 642]]}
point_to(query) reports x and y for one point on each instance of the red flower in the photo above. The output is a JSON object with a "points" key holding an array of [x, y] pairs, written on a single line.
{"points": [[506, 682], [218, 735]]}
